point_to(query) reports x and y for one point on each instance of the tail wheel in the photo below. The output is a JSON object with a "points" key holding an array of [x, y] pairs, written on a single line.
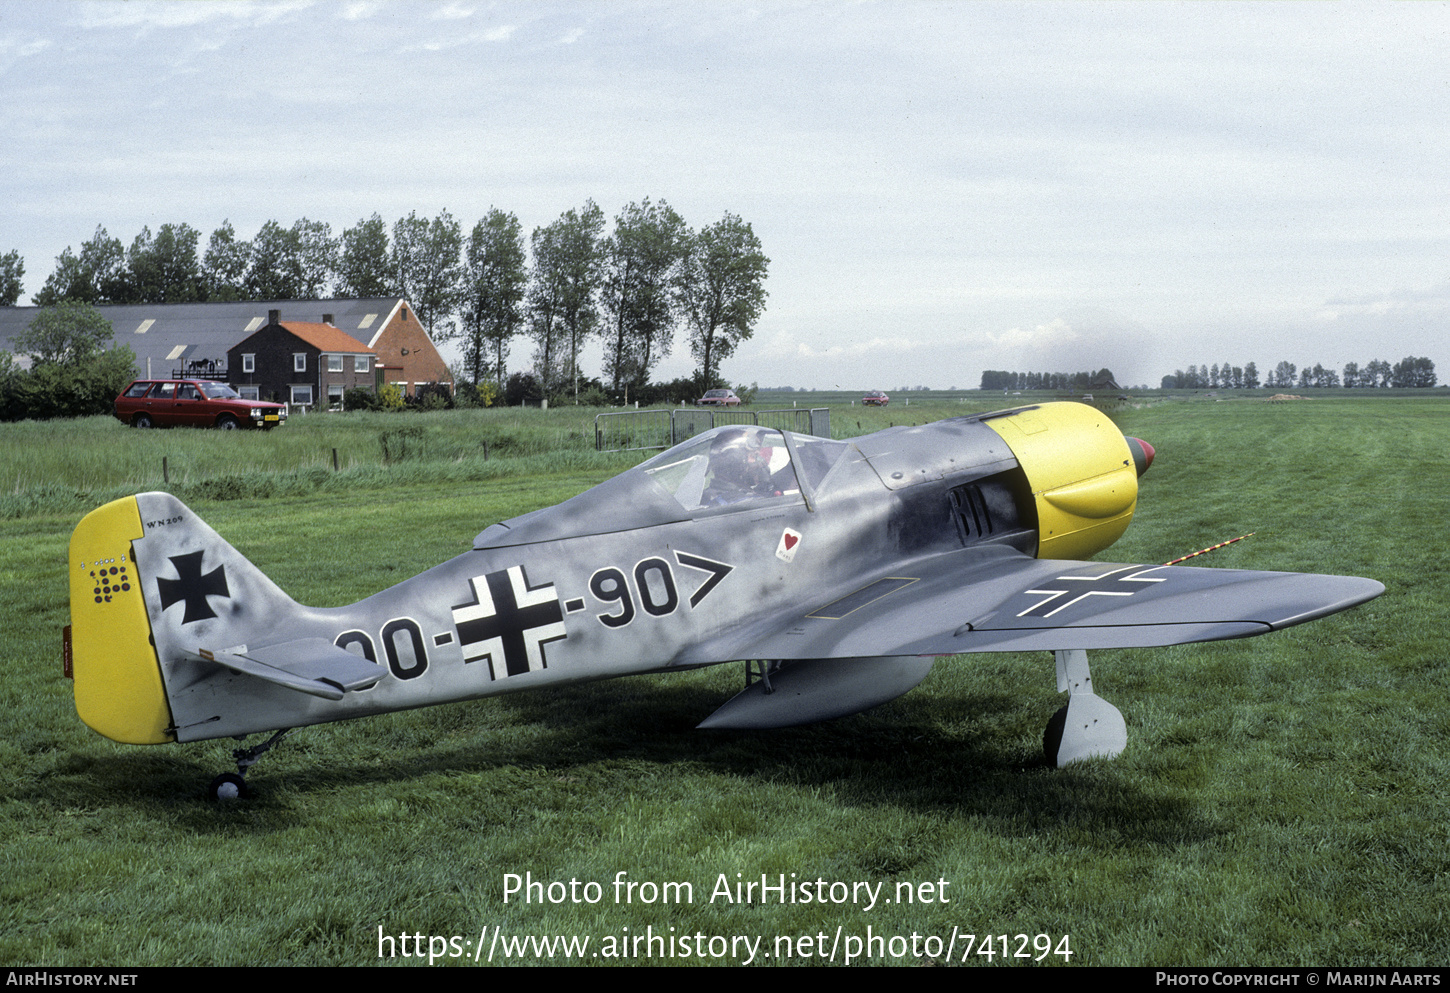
{"points": [[142, 421], [228, 786]]}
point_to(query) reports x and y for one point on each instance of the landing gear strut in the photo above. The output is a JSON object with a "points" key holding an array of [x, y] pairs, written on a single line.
{"points": [[1089, 726], [760, 671], [232, 785]]}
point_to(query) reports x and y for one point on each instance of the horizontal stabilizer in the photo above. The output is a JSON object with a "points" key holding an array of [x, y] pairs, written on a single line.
{"points": [[812, 690], [311, 665]]}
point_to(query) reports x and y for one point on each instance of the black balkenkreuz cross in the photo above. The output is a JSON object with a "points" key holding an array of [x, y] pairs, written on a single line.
{"points": [[508, 622], [192, 587]]}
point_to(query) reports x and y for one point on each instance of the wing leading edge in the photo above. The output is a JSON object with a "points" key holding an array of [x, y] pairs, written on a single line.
{"points": [[997, 600]]}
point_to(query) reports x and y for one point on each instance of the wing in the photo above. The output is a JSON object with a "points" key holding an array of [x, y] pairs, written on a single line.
{"points": [[997, 600]]}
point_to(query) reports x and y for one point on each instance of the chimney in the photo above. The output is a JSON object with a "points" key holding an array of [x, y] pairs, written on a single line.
{"points": [[327, 319], [274, 317]]}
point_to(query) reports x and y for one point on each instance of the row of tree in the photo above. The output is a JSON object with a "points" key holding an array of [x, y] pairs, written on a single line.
{"points": [[1410, 371], [1217, 377], [994, 379], [634, 288]]}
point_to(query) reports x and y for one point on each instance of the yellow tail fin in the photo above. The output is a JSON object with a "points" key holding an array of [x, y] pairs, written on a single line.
{"points": [[117, 675]]}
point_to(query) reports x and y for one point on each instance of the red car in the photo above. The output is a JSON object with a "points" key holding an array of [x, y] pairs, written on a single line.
{"points": [[875, 399], [198, 403], [719, 398]]}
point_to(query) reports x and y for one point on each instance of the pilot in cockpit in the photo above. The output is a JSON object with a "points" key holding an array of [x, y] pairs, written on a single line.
{"points": [[739, 468]]}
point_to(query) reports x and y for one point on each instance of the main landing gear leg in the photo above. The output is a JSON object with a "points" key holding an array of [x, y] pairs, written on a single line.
{"points": [[759, 671], [1089, 726], [232, 785]]}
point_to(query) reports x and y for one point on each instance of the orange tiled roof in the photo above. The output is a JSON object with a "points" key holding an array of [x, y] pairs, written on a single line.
{"points": [[326, 338]]}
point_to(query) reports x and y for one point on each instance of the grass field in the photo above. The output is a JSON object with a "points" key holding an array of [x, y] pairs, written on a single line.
{"points": [[1282, 800]]}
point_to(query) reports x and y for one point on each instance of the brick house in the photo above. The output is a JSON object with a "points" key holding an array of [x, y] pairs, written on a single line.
{"points": [[303, 363], [406, 353]]}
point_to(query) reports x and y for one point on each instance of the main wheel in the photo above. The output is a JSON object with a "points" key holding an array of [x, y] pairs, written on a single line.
{"points": [[227, 422], [142, 421], [228, 786]]}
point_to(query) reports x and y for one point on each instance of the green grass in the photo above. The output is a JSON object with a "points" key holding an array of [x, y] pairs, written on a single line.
{"points": [[1282, 799]]}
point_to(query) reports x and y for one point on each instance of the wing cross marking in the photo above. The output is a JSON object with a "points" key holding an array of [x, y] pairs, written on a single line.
{"points": [[1049, 596]]}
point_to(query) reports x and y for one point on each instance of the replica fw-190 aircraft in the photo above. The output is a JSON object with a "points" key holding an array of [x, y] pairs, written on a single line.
{"points": [[836, 570]]}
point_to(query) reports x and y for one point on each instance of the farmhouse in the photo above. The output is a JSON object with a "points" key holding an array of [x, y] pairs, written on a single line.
{"points": [[301, 362], [193, 339]]}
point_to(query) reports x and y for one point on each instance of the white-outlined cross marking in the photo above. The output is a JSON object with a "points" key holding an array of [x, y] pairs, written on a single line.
{"points": [[1049, 596]]}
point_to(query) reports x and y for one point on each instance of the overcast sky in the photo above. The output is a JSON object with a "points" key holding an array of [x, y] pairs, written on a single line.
{"points": [[941, 187]]}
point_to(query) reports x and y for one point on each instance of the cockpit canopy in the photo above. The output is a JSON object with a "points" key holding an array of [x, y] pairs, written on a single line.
{"points": [[736, 467], [724, 467], [742, 465]]}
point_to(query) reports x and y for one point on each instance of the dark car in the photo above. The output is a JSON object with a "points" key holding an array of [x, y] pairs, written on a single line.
{"points": [[875, 399], [719, 398], [198, 403]]}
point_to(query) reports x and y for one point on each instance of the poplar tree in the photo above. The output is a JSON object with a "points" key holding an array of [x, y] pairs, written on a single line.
{"points": [[12, 271], [363, 266], [721, 292], [494, 284], [563, 285], [427, 269], [641, 273]]}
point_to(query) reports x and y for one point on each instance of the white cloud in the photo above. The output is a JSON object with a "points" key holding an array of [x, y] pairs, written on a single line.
{"points": [[784, 344], [361, 10], [14, 48], [492, 35], [451, 12], [1041, 340], [1380, 302], [167, 14]]}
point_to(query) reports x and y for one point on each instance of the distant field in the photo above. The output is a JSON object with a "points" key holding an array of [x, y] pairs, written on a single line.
{"points": [[57, 466], [1282, 799], [49, 464]]}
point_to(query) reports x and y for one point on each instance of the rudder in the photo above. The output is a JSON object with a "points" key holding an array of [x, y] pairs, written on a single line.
{"points": [[117, 676], [149, 580]]}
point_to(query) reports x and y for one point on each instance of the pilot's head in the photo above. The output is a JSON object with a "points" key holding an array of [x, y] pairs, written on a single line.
{"points": [[736, 458]]}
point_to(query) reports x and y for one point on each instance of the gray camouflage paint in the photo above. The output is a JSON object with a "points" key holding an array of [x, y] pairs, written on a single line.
{"points": [[880, 507]]}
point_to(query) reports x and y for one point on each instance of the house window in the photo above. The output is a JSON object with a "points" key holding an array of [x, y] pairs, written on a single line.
{"points": [[249, 362], [334, 396], [359, 363], [250, 392], [299, 361], [334, 363], [302, 395]]}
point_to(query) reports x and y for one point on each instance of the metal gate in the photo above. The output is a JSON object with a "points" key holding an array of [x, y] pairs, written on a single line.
{"points": [[631, 430]]}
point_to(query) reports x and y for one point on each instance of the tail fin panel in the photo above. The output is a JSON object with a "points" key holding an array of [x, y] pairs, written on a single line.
{"points": [[118, 687], [152, 586]]}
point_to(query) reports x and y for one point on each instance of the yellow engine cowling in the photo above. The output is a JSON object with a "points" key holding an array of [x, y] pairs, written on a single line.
{"points": [[1082, 474]]}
